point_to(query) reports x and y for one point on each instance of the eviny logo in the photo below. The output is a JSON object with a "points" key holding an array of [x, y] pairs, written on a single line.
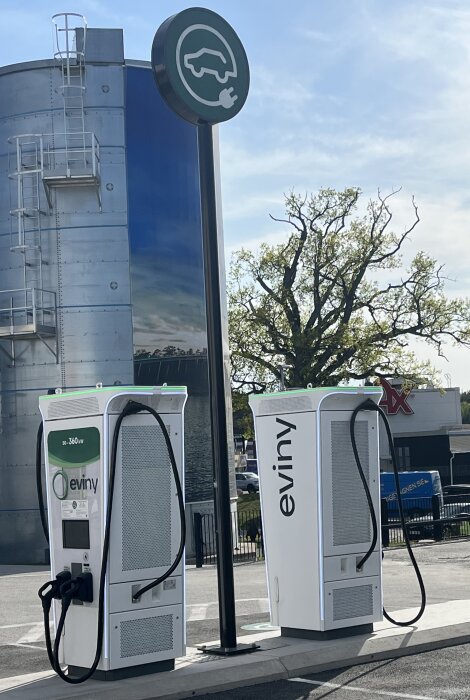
{"points": [[84, 484], [283, 466], [62, 485]]}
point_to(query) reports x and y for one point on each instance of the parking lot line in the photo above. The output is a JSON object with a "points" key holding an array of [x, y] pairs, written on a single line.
{"points": [[210, 611], [370, 691], [19, 624]]}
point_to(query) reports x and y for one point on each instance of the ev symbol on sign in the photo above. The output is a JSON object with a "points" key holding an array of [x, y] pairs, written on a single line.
{"points": [[200, 66], [219, 63]]}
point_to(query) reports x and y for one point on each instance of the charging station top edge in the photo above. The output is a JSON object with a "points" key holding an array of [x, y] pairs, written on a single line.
{"points": [[347, 389], [312, 399], [127, 389], [106, 400]]}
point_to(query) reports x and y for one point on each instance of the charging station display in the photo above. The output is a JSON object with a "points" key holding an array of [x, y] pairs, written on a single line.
{"points": [[317, 524], [114, 473]]}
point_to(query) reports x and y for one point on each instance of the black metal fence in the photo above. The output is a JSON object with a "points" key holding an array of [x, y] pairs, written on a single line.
{"points": [[247, 537], [426, 519]]}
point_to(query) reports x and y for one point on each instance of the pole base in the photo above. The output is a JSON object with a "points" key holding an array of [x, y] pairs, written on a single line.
{"points": [[229, 651]]}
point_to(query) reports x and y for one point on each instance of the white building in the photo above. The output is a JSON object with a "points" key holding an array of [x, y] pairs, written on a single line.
{"points": [[427, 429]]}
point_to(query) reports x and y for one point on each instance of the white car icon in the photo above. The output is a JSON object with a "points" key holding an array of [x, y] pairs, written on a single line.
{"points": [[211, 62]]}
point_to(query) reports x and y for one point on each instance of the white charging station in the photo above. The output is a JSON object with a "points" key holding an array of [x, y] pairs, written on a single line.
{"points": [[145, 524], [316, 520]]}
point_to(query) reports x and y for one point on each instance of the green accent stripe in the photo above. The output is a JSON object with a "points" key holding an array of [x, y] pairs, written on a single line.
{"points": [[339, 389], [130, 389]]}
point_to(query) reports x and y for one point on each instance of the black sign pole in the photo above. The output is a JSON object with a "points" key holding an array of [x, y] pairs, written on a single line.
{"points": [[217, 380], [205, 97]]}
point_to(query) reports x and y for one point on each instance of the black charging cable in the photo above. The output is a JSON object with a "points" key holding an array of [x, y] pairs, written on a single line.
{"points": [[47, 593], [42, 510], [70, 589], [369, 405]]}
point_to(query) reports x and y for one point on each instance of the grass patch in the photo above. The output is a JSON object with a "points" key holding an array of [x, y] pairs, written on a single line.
{"points": [[248, 503]]}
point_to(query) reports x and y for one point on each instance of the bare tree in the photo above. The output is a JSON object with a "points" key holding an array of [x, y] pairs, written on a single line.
{"points": [[317, 304]]}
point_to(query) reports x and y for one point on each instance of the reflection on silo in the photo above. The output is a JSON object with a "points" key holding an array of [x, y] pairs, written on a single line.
{"points": [[100, 255]]}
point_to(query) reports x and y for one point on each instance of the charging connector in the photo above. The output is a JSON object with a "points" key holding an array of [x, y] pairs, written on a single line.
{"points": [[54, 586], [85, 587], [47, 593]]}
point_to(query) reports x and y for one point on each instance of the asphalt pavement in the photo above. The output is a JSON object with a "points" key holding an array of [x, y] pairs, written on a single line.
{"points": [[445, 569], [432, 675]]}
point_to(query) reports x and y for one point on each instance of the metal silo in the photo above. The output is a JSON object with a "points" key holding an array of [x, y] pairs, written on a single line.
{"points": [[101, 272], [65, 312]]}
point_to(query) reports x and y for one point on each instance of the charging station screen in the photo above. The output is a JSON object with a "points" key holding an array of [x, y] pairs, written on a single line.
{"points": [[76, 534]]}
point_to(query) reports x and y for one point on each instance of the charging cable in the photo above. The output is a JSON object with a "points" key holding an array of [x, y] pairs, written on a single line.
{"points": [[369, 405], [47, 593], [76, 587], [42, 510]]}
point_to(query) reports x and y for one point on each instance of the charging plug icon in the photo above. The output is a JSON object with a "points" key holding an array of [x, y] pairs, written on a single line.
{"points": [[226, 98]]}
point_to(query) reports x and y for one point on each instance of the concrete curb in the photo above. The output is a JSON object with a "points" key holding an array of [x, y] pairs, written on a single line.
{"points": [[443, 625]]}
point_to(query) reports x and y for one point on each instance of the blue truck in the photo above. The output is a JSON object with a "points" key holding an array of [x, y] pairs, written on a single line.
{"points": [[416, 488]]}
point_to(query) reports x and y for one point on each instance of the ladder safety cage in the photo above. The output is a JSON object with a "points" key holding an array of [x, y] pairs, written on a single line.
{"points": [[28, 168], [73, 156], [26, 229]]}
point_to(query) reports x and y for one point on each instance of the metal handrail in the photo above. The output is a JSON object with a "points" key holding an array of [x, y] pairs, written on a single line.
{"points": [[88, 145], [36, 306]]}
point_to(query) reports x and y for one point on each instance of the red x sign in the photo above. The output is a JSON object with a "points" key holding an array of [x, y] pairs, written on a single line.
{"points": [[393, 400]]}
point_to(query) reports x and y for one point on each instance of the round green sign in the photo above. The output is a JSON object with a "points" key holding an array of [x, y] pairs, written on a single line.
{"points": [[200, 66]]}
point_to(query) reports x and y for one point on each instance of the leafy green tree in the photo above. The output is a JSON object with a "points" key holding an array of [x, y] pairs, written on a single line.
{"points": [[334, 302], [242, 418], [465, 406]]}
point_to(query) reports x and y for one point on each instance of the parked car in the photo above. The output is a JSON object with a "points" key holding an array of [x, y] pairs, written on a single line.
{"points": [[452, 515], [456, 493], [247, 481]]}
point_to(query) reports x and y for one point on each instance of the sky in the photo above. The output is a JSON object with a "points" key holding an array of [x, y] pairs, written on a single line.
{"points": [[367, 93]]}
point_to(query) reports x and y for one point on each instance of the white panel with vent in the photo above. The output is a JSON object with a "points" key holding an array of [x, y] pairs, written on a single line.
{"points": [[316, 521], [146, 636], [72, 408], [347, 526], [145, 524], [348, 604], [146, 530]]}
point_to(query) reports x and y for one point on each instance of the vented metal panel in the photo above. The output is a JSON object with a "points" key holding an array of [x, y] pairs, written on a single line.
{"points": [[285, 405], [146, 635], [356, 601], [351, 517], [69, 408], [146, 498]]}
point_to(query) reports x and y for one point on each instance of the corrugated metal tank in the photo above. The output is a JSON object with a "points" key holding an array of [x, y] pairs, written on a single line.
{"points": [[97, 242], [85, 261]]}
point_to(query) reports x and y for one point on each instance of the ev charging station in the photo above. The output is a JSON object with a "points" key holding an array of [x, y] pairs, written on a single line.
{"points": [[316, 517], [105, 453]]}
